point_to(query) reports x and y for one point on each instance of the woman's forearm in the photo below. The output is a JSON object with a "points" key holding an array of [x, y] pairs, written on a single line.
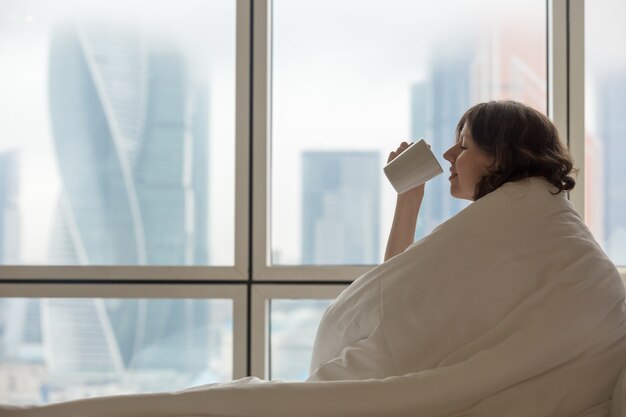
{"points": [[404, 222]]}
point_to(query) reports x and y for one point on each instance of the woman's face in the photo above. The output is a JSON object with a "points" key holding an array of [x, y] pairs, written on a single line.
{"points": [[469, 165]]}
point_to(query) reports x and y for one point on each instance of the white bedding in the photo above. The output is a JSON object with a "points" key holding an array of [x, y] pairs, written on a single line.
{"points": [[509, 308]]}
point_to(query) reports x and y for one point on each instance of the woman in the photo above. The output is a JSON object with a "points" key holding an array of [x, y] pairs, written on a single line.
{"points": [[509, 308], [524, 142], [498, 296]]}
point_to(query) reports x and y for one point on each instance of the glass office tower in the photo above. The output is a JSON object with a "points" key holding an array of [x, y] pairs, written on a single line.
{"points": [[340, 207]]}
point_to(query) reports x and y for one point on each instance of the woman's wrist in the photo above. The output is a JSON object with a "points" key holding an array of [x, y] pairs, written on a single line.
{"points": [[410, 198]]}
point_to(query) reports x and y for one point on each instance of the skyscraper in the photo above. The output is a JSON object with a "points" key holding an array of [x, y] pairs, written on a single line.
{"points": [[9, 210], [131, 134], [437, 106], [594, 186], [510, 57], [612, 131], [129, 127], [340, 207], [78, 340]]}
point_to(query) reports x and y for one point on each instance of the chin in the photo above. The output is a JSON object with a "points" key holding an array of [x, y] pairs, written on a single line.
{"points": [[456, 193]]}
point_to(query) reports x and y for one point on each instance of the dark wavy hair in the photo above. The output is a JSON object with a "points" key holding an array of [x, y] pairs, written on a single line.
{"points": [[523, 142]]}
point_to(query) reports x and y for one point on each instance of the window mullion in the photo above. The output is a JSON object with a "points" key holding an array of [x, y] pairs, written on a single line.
{"points": [[576, 102], [260, 135], [557, 66]]}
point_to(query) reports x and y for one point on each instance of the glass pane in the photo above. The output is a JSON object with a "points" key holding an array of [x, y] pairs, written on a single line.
{"points": [[57, 349], [605, 135], [117, 128], [293, 325], [354, 78]]}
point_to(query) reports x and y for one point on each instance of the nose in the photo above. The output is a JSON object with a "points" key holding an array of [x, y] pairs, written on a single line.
{"points": [[449, 156]]}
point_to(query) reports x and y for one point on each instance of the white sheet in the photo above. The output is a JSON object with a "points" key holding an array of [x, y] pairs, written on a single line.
{"points": [[509, 308]]}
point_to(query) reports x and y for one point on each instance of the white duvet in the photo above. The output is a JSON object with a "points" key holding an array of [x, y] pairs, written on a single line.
{"points": [[510, 308]]}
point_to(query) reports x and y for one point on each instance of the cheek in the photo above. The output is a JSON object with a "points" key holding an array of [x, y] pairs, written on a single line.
{"points": [[469, 169], [463, 165]]}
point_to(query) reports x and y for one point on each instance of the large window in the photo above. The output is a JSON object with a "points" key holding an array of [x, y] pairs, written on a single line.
{"points": [[352, 79], [205, 177], [64, 341], [118, 121]]}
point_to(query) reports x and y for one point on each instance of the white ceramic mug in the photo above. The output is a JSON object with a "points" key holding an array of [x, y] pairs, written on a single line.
{"points": [[413, 167]]}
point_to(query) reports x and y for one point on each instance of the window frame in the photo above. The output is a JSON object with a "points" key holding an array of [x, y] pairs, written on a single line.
{"points": [[566, 93], [252, 281], [239, 270], [261, 143]]}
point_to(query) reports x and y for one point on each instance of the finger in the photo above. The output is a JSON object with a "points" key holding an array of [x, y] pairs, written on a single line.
{"points": [[391, 156]]}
